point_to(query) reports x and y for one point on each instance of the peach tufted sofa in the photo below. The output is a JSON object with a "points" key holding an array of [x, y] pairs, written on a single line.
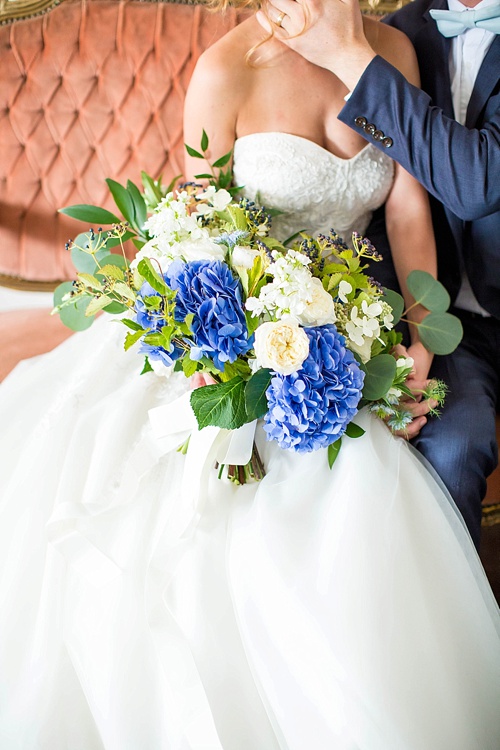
{"points": [[91, 89]]}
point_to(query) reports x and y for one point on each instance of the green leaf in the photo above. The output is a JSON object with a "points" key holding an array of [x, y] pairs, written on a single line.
{"points": [[189, 366], [379, 376], [333, 451], [147, 367], [203, 176], [440, 332], [193, 152], [112, 271], [171, 185], [131, 339], [204, 141], [223, 160], [111, 259], [397, 303], [428, 291], [90, 281], [132, 324], [221, 405], [354, 430], [82, 258], [115, 308], [124, 290], [97, 303], [145, 268], [255, 394], [122, 199], [140, 211], [115, 241], [73, 315], [90, 214]]}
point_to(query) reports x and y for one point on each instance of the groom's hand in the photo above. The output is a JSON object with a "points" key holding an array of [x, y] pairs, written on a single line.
{"points": [[328, 33], [418, 408]]}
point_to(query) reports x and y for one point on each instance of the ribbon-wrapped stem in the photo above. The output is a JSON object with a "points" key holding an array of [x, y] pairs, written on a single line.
{"points": [[253, 471]]}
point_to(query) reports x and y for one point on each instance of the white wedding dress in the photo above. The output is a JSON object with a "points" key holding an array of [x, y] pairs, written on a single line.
{"points": [[146, 606]]}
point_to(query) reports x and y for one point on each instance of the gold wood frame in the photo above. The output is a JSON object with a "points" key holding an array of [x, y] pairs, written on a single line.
{"points": [[16, 10]]}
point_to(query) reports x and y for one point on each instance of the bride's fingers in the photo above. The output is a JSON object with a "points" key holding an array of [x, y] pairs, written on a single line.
{"points": [[281, 17]]}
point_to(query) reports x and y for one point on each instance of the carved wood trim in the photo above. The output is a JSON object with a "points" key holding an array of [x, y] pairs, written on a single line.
{"points": [[16, 10]]}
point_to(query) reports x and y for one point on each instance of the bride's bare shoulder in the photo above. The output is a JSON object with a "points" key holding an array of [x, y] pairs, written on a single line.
{"points": [[225, 61], [393, 46]]}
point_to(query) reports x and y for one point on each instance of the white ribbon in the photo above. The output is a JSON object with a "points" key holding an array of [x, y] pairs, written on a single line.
{"points": [[173, 423]]}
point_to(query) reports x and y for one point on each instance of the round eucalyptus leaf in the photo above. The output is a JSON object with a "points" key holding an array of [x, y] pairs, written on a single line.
{"points": [[379, 376], [440, 332], [115, 308], [112, 259], [428, 291], [73, 315], [397, 303], [84, 262]]}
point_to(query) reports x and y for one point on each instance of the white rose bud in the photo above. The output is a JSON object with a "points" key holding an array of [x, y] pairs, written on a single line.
{"points": [[243, 257], [320, 310], [281, 346]]}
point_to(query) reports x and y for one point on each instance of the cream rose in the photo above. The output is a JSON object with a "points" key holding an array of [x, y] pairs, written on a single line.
{"points": [[320, 310], [281, 346]]}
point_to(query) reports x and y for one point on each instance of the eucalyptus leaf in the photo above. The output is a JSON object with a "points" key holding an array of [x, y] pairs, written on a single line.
{"points": [[73, 314], [111, 259], [221, 405], [115, 241], [428, 291], [82, 258], [255, 394], [397, 303], [333, 451], [90, 214], [440, 332], [379, 376]]}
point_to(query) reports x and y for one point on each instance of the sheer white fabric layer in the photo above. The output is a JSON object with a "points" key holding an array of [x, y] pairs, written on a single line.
{"points": [[340, 610]]}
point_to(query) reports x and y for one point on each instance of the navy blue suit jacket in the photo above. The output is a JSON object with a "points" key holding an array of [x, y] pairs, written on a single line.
{"points": [[458, 165]]}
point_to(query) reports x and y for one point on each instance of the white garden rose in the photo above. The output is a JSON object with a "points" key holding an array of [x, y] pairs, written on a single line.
{"points": [[243, 257], [281, 346], [320, 310]]}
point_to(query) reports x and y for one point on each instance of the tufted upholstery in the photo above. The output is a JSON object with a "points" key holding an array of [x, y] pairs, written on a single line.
{"points": [[93, 89]]}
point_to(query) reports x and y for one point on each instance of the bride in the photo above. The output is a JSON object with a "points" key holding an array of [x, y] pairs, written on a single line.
{"points": [[339, 610]]}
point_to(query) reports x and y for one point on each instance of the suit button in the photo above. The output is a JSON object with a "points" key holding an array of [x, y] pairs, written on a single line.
{"points": [[378, 135], [370, 128], [387, 142], [360, 122]]}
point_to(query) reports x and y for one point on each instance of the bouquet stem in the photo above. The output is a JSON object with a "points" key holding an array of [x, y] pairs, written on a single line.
{"points": [[253, 471]]}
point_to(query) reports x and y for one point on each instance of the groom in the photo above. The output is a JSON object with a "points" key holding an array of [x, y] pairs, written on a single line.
{"points": [[448, 137]]}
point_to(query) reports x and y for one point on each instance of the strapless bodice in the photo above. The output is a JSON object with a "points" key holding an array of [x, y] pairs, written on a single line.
{"points": [[315, 189]]}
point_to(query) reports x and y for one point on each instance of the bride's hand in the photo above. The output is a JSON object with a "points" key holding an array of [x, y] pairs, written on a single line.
{"points": [[417, 381], [199, 379]]}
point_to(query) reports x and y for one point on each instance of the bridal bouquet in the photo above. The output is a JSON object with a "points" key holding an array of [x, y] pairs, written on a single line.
{"points": [[293, 332]]}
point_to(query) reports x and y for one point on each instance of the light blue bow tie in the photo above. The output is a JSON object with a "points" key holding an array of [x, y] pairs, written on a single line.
{"points": [[453, 23]]}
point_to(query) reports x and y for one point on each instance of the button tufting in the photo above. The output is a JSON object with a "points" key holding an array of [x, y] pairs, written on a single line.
{"points": [[360, 122], [387, 142], [370, 128]]}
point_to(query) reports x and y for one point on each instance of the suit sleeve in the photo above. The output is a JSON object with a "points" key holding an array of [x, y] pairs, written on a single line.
{"points": [[460, 167]]}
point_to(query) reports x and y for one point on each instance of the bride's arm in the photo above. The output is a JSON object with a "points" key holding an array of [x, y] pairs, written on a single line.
{"points": [[211, 105]]}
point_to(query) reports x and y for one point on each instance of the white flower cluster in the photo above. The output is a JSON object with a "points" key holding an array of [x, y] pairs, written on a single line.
{"points": [[176, 232], [293, 293], [365, 322]]}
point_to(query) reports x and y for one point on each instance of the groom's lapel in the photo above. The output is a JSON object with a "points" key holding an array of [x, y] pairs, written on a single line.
{"points": [[487, 79], [433, 53]]}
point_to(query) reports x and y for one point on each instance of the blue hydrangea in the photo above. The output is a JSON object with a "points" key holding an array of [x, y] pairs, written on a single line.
{"points": [[208, 289], [312, 407], [153, 321]]}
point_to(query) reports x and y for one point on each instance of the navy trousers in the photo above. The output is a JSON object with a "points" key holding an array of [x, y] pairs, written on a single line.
{"points": [[461, 443]]}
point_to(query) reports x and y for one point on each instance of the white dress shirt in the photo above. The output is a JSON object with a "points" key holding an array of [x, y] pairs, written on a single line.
{"points": [[467, 53]]}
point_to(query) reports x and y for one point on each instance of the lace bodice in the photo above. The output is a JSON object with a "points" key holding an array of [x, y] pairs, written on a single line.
{"points": [[315, 189]]}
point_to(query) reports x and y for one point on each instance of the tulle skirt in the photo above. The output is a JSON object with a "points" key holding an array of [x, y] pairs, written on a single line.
{"points": [[341, 609]]}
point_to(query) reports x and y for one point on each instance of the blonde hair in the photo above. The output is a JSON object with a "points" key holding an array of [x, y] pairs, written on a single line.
{"points": [[222, 5]]}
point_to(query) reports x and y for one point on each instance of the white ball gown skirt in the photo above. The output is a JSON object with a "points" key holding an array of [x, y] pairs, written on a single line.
{"points": [[333, 610]]}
